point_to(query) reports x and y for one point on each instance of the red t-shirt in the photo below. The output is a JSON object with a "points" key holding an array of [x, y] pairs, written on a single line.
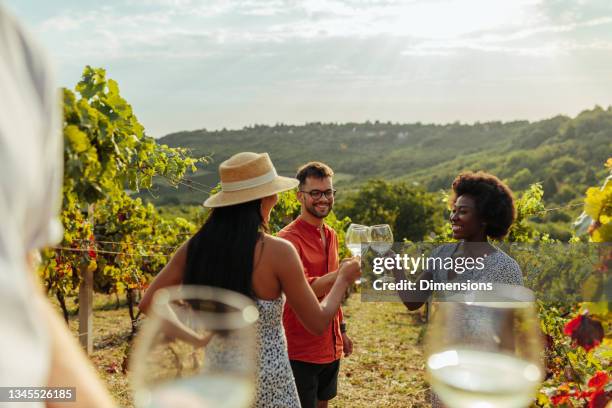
{"points": [[317, 261]]}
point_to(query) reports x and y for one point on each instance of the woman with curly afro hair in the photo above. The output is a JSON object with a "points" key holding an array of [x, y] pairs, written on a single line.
{"points": [[482, 208]]}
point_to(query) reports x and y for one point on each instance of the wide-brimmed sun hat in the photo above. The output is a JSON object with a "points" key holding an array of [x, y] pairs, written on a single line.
{"points": [[248, 176]]}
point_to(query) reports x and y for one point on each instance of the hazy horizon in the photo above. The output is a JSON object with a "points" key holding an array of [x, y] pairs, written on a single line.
{"points": [[468, 123], [194, 64]]}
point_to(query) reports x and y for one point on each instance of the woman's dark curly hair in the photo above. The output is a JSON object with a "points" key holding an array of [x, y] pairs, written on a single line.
{"points": [[494, 200]]}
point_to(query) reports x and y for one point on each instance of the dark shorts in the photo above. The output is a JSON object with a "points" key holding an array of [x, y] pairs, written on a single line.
{"points": [[315, 382]]}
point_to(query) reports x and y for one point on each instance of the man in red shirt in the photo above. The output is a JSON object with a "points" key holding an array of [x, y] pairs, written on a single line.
{"points": [[315, 360]]}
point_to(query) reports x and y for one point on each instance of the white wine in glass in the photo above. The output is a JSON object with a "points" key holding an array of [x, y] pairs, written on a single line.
{"points": [[381, 238], [197, 349], [485, 353], [357, 239]]}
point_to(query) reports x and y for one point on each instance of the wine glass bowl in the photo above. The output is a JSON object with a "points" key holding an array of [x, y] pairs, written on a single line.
{"points": [[485, 350], [357, 239], [197, 348], [381, 238]]}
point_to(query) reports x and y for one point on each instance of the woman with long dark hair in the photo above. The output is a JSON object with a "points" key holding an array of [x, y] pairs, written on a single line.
{"points": [[233, 250]]}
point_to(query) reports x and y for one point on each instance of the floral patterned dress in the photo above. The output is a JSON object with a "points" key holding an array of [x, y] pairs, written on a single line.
{"points": [[275, 383]]}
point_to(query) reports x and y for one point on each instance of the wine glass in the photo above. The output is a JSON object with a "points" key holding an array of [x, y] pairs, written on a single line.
{"points": [[197, 348], [381, 238], [485, 349], [357, 240]]}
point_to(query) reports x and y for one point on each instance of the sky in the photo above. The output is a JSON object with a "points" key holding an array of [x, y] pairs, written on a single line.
{"points": [[194, 64]]}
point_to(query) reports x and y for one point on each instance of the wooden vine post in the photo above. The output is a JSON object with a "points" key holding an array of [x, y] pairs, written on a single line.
{"points": [[86, 299]]}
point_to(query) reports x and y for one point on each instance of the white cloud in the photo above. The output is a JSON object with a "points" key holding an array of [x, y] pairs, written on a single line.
{"points": [[180, 20], [203, 29], [218, 56], [457, 48], [532, 31], [313, 18], [263, 7], [64, 23]]}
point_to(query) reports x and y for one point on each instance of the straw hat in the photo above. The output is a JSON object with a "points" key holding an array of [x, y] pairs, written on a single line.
{"points": [[248, 176]]}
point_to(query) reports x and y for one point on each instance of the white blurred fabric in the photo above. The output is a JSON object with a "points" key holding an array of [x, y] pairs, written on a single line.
{"points": [[30, 185]]}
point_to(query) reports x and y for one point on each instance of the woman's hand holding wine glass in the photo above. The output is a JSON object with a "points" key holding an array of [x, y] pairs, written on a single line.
{"points": [[350, 269]]}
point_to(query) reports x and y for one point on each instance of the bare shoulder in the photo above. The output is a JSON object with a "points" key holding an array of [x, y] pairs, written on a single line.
{"points": [[280, 252], [278, 245]]}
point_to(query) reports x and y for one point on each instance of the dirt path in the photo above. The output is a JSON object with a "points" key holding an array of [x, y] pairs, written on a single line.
{"points": [[386, 368]]}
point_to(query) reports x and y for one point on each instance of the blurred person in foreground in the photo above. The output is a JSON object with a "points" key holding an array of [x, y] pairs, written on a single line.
{"points": [[36, 347]]}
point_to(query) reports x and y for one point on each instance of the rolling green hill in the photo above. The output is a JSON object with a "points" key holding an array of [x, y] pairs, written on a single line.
{"points": [[565, 154]]}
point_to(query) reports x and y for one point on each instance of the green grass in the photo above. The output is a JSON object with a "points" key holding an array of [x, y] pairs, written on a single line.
{"points": [[387, 366], [385, 370], [111, 331]]}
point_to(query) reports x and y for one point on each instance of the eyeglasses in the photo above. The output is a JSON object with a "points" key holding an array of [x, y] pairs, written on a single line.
{"points": [[317, 194]]}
